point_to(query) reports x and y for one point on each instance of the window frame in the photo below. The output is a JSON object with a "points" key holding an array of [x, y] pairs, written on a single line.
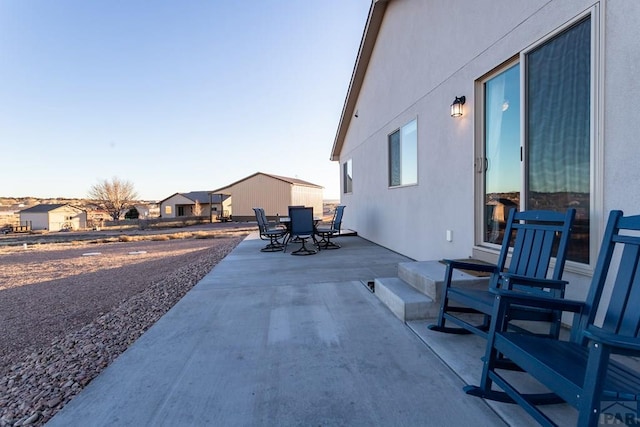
{"points": [[399, 131], [347, 177]]}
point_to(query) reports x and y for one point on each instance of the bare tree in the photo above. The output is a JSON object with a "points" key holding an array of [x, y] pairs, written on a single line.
{"points": [[197, 209], [114, 196]]}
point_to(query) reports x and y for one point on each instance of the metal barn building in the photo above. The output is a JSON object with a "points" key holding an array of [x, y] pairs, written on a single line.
{"points": [[273, 193]]}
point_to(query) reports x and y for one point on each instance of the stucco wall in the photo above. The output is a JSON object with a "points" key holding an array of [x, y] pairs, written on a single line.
{"points": [[426, 54], [173, 202], [621, 92]]}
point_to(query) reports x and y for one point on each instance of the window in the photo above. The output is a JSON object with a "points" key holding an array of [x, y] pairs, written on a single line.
{"points": [[545, 164], [403, 155], [167, 210], [347, 177]]}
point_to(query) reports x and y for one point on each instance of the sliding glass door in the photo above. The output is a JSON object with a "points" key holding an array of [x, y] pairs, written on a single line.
{"points": [[558, 123], [546, 165], [502, 180]]}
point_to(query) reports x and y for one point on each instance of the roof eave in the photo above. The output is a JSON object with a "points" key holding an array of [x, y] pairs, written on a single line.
{"points": [[369, 36]]}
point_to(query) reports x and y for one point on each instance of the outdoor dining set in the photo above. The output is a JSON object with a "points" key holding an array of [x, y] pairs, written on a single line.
{"points": [[299, 227]]}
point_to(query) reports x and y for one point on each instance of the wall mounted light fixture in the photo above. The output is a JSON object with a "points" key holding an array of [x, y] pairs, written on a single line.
{"points": [[456, 107]]}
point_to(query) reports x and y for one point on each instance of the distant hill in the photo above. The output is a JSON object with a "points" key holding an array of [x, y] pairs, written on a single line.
{"points": [[20, 203]]}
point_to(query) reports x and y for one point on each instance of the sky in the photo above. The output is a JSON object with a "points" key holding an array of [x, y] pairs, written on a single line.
{"points": [[171, 95]]}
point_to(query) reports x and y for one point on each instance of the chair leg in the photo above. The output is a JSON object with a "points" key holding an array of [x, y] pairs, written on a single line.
{"points": [[326, 243], [589, 413], [439, 326], [304, 250], [273, 246]]}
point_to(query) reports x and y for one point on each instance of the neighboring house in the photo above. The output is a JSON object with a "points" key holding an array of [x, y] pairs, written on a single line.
{"points": [[147, 210], [273, 193], [54, 217], [96, 217], [185, 204], [548, 122]]}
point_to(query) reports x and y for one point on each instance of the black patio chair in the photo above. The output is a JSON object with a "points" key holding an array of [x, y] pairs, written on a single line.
{"points": [[273, 234], [333, 229], [301, 228]]}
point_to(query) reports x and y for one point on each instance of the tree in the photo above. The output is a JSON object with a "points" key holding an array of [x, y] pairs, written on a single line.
{"points": [[114, 196], [197, 209]]}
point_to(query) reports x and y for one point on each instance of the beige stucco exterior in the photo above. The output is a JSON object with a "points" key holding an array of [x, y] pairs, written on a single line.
{"points": [[416, 56], [184, 205]]}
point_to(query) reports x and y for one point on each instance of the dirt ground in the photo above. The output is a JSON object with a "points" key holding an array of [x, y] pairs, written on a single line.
{"points": [[77, 295], [51, 289]]}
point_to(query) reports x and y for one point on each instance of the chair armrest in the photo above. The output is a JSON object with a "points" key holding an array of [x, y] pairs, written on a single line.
{"points": [[520, 298], [489, 268], [516, 279], [607, 338]]}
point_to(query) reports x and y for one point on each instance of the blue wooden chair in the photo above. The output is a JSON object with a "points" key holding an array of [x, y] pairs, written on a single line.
{"points": [[301, 229], [537, 237], [333, 229], [273, 234], [579, 371]]}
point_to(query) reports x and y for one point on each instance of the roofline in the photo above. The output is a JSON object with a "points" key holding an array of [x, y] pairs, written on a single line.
{"points": [[165, 199], [368, 42], [52, 207], [217, 190]]}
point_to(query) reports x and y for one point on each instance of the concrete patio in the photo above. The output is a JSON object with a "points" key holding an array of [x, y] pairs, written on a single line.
{"points": [[275, 339]]}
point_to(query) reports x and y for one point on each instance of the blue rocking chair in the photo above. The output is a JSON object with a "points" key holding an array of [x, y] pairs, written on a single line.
{"points": [[580, 371]]}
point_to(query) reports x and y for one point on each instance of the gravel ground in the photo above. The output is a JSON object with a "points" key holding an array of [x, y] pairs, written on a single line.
{"points": [[68, 310]]}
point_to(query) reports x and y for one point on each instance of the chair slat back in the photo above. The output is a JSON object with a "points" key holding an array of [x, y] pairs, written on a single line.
{"points": [[539, 236], [301, 221], [618, 266]]}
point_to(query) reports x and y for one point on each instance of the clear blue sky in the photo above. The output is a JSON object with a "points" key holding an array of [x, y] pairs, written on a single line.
{"points": [[172, 95]]}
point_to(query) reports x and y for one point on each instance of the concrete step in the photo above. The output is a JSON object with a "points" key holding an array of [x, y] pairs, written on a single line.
{"points": [[427, 277], [404, 300]]}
